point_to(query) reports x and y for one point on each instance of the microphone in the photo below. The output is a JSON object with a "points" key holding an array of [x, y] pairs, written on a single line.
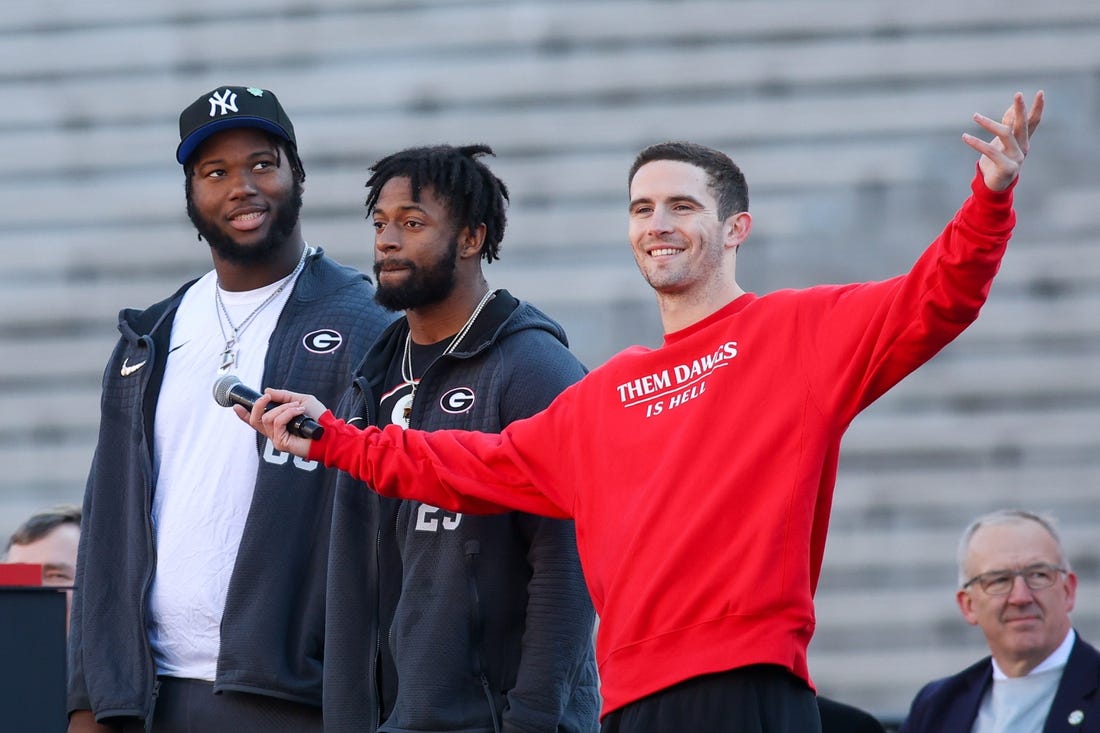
{"points": [[229, 390]]}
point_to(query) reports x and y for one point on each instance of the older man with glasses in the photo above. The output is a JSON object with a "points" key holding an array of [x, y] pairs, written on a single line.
{"points": [[1015, 582]]}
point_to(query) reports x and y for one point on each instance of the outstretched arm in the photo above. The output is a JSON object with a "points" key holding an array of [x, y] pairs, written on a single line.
{"points": [[477, 476], [1003, 156], [904, 321]]}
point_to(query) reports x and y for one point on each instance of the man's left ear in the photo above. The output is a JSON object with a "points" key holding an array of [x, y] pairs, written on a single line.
{"points": [[736, 228], [470, 243], [1071, 591]]}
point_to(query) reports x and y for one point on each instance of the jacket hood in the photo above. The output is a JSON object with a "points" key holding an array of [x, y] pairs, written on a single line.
{"points": [[503, 316]]}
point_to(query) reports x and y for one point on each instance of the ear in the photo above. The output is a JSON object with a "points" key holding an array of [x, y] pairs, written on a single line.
{"points": [[966, 605], [471, 242], [1071, 591], [735, 229]]}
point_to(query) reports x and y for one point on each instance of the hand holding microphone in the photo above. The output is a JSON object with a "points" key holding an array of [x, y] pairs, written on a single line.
{"points": [[229, 391]]}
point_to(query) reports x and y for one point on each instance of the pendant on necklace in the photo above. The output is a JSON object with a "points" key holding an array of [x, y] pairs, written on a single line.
{"points": [[407, 408], [406, 412], [229, 356]]}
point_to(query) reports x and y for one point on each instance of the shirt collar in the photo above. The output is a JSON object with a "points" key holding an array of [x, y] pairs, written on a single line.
{"points": [[1058, 658]]}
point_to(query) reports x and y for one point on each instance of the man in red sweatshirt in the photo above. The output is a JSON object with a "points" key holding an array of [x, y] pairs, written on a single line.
{"points": [[700, 474]]}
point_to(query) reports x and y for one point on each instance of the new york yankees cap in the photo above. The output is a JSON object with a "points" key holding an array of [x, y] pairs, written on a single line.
{"points": [[228, 107]]}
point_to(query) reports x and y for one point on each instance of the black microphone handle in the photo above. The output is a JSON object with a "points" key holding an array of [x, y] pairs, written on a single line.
{"points": [[304, 426], [230, 389]]}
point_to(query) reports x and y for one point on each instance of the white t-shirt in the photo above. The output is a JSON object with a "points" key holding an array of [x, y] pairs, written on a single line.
{"points": [[205, 463]]}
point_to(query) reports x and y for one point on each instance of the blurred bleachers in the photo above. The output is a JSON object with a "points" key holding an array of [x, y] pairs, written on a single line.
{"points": [[845, 116]]}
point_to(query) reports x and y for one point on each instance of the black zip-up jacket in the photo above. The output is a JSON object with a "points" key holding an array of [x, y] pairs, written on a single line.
{"points": [[493, 629], [272, 626]]}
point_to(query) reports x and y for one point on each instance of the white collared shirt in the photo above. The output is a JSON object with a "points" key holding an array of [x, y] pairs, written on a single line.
{"points": [[1021, 704], [1057, 658]]}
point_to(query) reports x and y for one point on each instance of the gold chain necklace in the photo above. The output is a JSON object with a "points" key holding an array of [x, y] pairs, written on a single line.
{"points": [[406, 358], [229, 354]]}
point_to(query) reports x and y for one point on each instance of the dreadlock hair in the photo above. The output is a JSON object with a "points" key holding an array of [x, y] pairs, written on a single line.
{"points": [[472, 194], [724, 178]]}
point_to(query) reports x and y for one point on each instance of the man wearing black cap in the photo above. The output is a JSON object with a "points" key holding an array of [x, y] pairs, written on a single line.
{"points": [[200, 581]]}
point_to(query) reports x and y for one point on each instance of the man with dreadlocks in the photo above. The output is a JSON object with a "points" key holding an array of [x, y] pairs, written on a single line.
{"points": [[440, 621]]}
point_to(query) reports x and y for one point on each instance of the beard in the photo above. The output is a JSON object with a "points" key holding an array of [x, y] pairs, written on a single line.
{"points": [[287, 211], [424, 285]]}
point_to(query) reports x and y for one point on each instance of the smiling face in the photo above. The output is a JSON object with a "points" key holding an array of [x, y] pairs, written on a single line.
{"points": [[679, 243], [242, 195], [675, 232], [1024, 626]]}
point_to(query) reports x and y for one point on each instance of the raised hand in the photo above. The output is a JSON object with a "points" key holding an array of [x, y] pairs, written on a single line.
{"points": [[1003, 156]]}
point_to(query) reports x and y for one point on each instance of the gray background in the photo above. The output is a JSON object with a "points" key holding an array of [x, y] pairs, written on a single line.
{"points": [[845, 116]]}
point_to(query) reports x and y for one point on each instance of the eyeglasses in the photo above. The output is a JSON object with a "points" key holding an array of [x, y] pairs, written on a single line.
{"points": [[1000, 582]]}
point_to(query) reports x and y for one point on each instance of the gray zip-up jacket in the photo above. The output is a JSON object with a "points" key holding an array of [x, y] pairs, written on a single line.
{"points": [[491, 621], [273, 623]]}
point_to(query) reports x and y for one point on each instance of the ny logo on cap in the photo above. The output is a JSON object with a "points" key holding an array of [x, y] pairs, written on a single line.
{"points": [[227, 102]]}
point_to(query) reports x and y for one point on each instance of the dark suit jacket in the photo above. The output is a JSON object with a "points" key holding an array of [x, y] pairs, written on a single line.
{"points": [[951, 705]]}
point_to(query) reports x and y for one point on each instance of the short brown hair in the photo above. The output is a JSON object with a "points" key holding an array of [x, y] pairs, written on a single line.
{"points": [[44, 522]]}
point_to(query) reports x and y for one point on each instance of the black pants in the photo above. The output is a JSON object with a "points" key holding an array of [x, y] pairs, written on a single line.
{"points": [[190, 706], [758, 699]]}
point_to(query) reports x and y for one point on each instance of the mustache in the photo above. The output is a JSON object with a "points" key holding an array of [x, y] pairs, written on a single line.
{"points": [[393, 263]]}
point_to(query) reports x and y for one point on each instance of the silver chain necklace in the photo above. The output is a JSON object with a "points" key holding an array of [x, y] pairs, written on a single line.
{"points": [[232, 347], [406, 359]]}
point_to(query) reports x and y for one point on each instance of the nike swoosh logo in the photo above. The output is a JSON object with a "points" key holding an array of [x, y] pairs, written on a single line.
{"points": [[127, 369], [175, 348]]}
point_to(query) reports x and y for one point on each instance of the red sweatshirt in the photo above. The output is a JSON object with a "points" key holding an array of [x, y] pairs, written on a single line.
{"points": [[700, 474]]}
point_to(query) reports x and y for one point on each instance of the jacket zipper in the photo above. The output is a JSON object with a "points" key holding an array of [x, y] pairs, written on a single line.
{"points": [[473, 549], [372, 668], [150, 667]]}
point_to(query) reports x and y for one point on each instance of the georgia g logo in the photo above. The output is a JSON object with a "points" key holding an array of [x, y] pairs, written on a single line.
{"points": [[457, 400], [323, 341]]}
